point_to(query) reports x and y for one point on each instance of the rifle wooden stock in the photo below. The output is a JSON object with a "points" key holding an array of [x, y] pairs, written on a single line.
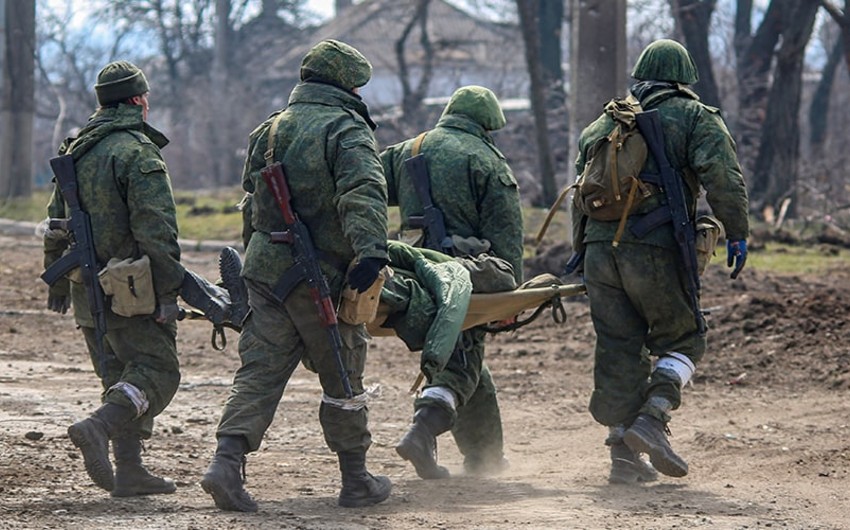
{"points": [[306, 264]]}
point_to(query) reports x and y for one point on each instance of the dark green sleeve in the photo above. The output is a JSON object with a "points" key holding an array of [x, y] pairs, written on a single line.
{"points": [[716, 164], [388, 157], [153, 221], [500, 212], [361, 192]]}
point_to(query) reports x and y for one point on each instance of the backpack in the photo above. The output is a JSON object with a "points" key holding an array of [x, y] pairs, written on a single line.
{"points": [[609, 187]]}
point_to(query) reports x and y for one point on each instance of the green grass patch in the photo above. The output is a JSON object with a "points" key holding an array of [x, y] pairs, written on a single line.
{"points": [[793, 259], [32, 208]]}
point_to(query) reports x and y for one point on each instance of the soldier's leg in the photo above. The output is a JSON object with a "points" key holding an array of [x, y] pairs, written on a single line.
{"points": [[673, 337], [270, 349], [436, 408], [478, 429], [344, 419], [146, 352]]}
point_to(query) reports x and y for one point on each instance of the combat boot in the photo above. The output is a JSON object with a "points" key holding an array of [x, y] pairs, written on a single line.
{"points": [[230, 270], [627, 467], [648, 435], [359, 487], [419, 445], [131, 477], [225, 476], [92, 435]]}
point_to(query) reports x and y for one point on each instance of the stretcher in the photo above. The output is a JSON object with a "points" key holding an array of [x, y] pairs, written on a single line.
{"points": [[489, 308]]}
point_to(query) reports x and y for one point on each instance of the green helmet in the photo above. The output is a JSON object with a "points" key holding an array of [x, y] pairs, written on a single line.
{"points": [[119, 80], [337, 63], [478, 103], [666, 60]]}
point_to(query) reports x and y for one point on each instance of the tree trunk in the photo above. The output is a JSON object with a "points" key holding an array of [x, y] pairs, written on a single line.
{"points": [[221, 133], [411, 102], [17, 107], [775, 176], [551, 20], [754, 56], [694, 17], [819, 109], [528, 10]]}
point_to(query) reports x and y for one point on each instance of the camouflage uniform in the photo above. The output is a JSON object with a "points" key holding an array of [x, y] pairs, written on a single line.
{"points": [[125, 188], [638, 296], [473, 186], [325, 143]]}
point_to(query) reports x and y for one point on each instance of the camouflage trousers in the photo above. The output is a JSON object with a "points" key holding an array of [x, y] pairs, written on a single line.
{"points": [[639, 308], [144, 354], [274, 340], [477, 427]]}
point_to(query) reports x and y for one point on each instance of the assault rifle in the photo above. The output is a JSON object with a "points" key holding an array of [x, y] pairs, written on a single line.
{"points": [[306, 265], [432, 219], [82, 253], [683, 227]]}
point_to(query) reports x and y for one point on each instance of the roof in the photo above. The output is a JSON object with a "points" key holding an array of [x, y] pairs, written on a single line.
{"points": [[374, 26]]}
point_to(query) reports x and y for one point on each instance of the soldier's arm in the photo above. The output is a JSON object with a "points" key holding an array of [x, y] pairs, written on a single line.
{"points": [[361, 192], [153, 221], [500, 213], [388, 162], [715, 162]]}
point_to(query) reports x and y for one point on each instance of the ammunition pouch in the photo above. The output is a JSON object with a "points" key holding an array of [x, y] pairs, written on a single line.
{"points": [[361, 308], [130, 284], [709, 230]]}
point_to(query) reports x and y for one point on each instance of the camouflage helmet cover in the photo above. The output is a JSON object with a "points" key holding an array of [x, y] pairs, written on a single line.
{"points": [[337, 63], [478, 103], [666, 60], [120, 80]]}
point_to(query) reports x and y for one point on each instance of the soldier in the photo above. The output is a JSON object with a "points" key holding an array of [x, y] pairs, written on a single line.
{"points": [[639, 300], [475, 189], [125, 188], [325, 143]]}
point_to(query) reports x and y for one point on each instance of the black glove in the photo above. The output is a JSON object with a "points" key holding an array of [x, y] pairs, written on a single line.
{"points": [[58, 303], [364, 274], [166, 313], [59, 296]]}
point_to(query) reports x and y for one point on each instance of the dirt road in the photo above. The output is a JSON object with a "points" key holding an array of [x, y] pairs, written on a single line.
{"points": [[765, 425]]}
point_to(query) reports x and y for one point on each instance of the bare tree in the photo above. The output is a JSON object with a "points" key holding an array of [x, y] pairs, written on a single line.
{"points": [[843, 20], [694, 19], [528, 12], [411, 102], [775, 175], [17, 106]]}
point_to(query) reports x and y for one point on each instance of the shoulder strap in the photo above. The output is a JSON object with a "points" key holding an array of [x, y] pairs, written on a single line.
{"points": [[269, 154], [417, 144]]}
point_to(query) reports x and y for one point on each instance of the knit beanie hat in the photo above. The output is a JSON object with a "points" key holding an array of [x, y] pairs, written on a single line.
{"points": [[118, 81]]}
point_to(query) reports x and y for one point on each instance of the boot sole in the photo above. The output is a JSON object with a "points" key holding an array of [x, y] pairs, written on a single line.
{"points": [[136, 492], [98, 466], [223, 500], [425, 467], [662, 459], [630, 474], [368, 501]]}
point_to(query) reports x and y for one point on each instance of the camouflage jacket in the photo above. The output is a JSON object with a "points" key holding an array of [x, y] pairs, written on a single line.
{"points": [[325, 143], [471, 183], [698, 146], [125, 188]]}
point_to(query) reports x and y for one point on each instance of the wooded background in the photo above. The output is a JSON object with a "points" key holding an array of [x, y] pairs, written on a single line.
{"points": [[777, 69]]}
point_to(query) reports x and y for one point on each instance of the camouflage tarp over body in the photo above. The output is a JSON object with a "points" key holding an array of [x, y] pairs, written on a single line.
{"points": [[427, 297], [125, 188]]}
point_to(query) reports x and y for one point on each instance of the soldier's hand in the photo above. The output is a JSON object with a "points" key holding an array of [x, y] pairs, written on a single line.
{"points": [[58, 303], [166, 313], [736, 254], [364, 274]]}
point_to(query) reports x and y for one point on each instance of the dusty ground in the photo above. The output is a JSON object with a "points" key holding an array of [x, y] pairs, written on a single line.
{"points": [[765, 425]]}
